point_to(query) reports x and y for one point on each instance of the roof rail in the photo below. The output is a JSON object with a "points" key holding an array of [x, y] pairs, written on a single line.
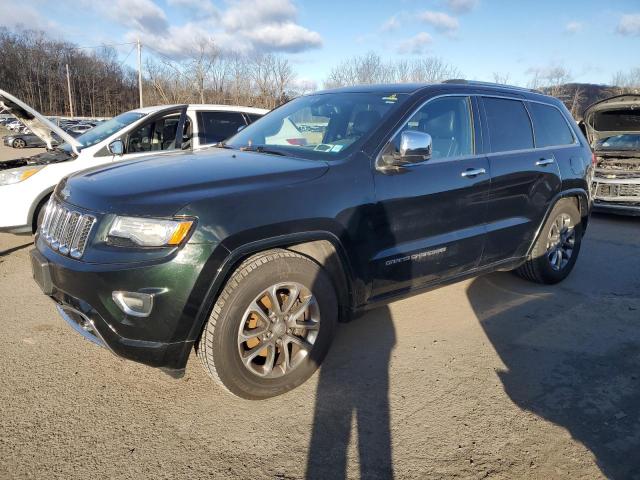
{"points": [[487, 84]]}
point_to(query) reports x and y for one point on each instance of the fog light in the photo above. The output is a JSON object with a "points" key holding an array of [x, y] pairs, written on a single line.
{"points": [[135, 304]]}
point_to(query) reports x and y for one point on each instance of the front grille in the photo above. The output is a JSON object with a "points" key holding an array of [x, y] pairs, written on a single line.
{"points": [[606, 190], [65, 230]]}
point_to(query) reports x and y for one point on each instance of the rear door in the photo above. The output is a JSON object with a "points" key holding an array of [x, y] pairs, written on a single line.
{"points": [[523, 180], [429, 216]]}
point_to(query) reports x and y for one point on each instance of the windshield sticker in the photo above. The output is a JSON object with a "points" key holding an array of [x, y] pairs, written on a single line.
{"points": [[390, 99], [336, 148]]}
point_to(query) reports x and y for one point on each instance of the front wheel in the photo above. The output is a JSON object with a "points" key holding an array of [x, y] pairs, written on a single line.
{"points": [[19, 143], [556, 250], [271, 326]]}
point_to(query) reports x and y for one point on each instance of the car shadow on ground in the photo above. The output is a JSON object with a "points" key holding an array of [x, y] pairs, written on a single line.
{"points": [[353, 388], [571, 358], [9, 251]]}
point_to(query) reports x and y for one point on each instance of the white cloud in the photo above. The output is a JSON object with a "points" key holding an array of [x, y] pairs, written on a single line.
{"points": [[242, 26], [196, 8], [573, 27], [629, 24], [462, 6], [142, 15], [245, 14], [440, 20], [416, 44], [392, 23], [17, 14]]}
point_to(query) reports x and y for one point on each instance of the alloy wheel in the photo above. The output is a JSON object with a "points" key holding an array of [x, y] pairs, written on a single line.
{"points": [[19, 143], [561, 242], [278, 330]]}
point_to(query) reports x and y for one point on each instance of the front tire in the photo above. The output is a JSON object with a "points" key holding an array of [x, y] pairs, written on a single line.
{"points": [[271, 326], [19, 143], [557, 247]]}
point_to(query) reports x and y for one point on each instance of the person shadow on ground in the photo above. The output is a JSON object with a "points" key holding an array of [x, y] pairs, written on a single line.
{"points": [[571, 358], [353, 390]]}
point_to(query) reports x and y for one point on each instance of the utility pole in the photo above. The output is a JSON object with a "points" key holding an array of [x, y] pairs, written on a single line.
{"points": [[140, 71], [69, 91]]}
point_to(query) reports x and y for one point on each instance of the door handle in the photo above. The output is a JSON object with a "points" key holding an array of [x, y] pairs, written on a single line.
{"points": [[544, 161], [472, 172]]}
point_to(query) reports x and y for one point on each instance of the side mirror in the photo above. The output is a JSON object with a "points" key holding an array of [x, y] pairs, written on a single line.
{"points": [[116, 147], [415, 147]]}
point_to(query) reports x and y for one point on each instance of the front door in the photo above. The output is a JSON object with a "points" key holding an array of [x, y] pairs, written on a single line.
{"points": [[429, 216]]}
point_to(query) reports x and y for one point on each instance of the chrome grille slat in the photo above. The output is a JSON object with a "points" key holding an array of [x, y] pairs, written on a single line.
{"points": [[66, 230]]}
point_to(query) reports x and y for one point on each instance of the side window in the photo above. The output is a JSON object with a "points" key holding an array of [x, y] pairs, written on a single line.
{"points": [[448, 121], [215, 127], [549, 125], [157, 134], [509, 125]]}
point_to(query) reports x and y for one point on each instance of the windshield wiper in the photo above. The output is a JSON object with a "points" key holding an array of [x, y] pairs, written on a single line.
{"points": [[261, 149], [222, 145]]}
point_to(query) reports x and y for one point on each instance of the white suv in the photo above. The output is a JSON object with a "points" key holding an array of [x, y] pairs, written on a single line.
{"points": [[25, 184]]}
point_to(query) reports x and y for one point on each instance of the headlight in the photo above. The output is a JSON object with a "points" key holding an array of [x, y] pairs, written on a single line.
{"points": [[15, 175], [148, 232]]}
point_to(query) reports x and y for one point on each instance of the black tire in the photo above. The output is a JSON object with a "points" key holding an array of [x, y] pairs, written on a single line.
{"points": [[218, 344], [39, 216], [538, 268], [18, 143]]}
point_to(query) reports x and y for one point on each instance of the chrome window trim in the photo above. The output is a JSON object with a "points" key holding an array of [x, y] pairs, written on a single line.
{"points": [[488, 154]]}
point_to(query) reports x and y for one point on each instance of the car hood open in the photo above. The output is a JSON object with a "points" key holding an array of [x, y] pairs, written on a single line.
{"points": [[38, 123], [612, 116]]}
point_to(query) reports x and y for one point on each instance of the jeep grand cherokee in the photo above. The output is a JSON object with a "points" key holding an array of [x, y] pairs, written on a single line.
{"points": [[335, 202]]}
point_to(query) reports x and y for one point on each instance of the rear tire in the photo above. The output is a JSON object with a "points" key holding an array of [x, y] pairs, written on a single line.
{"points": [[557, 247], [290, 346]]}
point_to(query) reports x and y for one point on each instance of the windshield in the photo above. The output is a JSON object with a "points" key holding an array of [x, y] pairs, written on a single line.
{"points": [[316, 125], [620, 142], [105, 129]]}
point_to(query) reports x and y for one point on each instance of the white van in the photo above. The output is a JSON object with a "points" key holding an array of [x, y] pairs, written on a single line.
{"points": [[25, 184]]}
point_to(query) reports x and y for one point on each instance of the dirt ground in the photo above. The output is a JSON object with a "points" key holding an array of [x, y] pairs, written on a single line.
{"points": [[489, 378]]}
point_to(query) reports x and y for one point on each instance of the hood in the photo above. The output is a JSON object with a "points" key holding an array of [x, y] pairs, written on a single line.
{"points": [[612, 116], [37, 123], [160, 186]]}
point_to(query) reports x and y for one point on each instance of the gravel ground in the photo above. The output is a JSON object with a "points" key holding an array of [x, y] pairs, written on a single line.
{"points": [[489, 378]]}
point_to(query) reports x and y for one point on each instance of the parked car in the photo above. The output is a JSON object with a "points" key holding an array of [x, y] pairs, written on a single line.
{"points": [[252, 251], [15, 125], [80, 129], [6, 120], [22, 140], [613, 128], [27, 183]]}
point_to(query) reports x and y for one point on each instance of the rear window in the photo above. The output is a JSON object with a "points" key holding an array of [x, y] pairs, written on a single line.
{"points": [[509, 125], [617, 121], [215, 127], [549, 125]]}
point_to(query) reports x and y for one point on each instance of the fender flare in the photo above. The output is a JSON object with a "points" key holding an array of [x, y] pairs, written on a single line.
{"points": [[581, 194], [226, 261]]}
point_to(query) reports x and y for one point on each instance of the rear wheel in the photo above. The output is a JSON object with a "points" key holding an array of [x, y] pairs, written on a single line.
{"points": [[19, 143], [271, 327], [556, 249]]}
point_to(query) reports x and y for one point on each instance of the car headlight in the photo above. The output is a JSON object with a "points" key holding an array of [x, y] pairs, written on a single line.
{"points": [[148, 232], [15, 175]]}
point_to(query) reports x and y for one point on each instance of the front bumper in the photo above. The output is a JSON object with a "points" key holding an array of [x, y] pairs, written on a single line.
{"points": [[83, 294], [619, 196]]}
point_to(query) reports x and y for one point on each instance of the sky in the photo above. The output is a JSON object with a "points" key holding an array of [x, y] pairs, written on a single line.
{"points": [[593, 39]]}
